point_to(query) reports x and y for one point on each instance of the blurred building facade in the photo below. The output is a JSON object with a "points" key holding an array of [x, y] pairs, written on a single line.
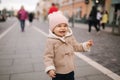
{"points": [[82, 8], [115, 12]]}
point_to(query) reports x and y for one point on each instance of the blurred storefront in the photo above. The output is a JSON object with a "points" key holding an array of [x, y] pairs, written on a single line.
{"points": [[115, 15], [115, 10], [76, 7], [81, 8], [42, 7]]}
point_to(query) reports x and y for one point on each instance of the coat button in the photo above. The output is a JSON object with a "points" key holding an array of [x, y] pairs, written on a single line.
{"points": [[66, 53]]}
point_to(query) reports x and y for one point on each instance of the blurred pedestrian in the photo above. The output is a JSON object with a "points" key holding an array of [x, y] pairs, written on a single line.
{"points": [[30, 17], [44, 14], [60, 47], [22, 15], [99, 17], [92, 20], [53, 8], [38, 10], [104, 19]]}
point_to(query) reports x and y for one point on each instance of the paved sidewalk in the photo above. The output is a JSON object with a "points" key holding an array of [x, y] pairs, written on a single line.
{"points": [[21, 57], [83, 26]]}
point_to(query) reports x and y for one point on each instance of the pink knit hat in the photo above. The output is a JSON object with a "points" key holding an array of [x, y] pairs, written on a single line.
{"points": [[56, 18]]}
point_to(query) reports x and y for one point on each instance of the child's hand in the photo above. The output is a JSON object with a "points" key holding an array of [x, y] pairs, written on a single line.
{"points": [[89, 43], [51, 73]]}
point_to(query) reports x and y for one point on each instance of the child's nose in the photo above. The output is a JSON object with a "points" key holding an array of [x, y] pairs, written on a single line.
{"points": [[62, 27]]}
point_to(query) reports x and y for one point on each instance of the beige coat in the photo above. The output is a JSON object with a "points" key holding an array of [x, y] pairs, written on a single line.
{"points": [[59, 52]]}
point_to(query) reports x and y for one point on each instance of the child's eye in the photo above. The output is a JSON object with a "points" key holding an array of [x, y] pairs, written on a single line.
{"points": [[59, 26], [65, 25]]}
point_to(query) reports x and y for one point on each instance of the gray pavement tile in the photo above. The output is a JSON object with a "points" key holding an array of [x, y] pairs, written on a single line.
{"points": [[22, 52], [79, 62], [8, 45], [22, 61], [98, 77], [7, 53], [6, 62], [81, 78], [4, 77], [30, 76], [16, 69], [27, 61], [36, 54], [86, 70], [39, 67], [21, 68], [6, 49], [21, 56], [5, 56], [5, 70]]}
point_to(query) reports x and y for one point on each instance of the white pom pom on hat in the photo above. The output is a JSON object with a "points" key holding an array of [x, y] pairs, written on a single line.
{"points": [[56, 18]]}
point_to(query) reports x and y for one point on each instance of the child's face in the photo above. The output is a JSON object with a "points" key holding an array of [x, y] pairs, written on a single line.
{"points": [[60, 30]]}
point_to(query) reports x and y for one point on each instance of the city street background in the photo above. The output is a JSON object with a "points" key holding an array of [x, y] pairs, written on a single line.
{"points": [[21, 54]]}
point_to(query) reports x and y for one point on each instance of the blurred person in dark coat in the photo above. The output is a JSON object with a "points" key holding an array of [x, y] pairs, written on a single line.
{"points": [[31, 17], [92, 20], [99, 17]]}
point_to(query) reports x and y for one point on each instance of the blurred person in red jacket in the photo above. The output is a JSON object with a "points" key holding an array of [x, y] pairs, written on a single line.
{"points": [[22, 16], [53, 8]]}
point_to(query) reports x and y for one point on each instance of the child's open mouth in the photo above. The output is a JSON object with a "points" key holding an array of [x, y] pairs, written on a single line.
{"points": [[62, 31]]}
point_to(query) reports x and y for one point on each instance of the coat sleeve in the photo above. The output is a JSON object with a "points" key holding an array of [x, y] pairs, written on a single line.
{"points": [[79, 47], [49, 56]]}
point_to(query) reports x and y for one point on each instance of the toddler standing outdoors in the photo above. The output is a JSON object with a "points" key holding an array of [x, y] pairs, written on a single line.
{"points": [[60, 48]]}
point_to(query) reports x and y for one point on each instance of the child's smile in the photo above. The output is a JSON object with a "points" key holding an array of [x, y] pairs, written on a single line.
{"points": [[60, 30]]}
